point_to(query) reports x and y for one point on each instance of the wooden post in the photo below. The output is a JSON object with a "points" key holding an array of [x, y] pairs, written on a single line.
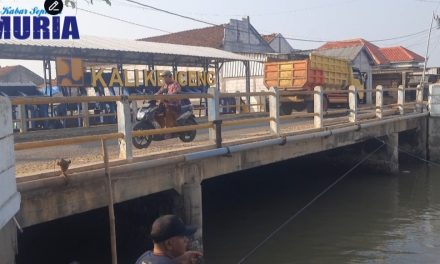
{"points": [[353, 103], [318, 101], [134, 108], [111, 210], [274, 111], [379, 101], [419, 99], [85, 114], [401, 99], [22, 115], [237, 104]]}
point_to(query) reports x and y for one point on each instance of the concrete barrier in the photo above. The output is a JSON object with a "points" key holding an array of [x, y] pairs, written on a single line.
{"points": [[9, 197]]}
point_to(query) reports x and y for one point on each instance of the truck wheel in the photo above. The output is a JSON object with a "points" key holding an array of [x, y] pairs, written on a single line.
{"points": [[286, 108], [310, 107], [299, 106]]}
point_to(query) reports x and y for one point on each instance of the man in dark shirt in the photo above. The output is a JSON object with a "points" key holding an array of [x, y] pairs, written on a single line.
{"points": [[170, 240]]}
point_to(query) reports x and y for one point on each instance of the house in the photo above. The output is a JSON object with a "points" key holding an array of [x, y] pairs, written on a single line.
{"points": [[403, 65], [278, 43], [237, 36], [389, 66], [19, 74]]}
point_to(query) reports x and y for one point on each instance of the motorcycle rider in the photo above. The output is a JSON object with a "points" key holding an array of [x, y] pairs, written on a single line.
{"points": [[172, 106]]}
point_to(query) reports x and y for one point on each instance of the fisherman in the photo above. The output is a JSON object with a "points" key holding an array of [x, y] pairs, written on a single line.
{"points": [[170, 238]]}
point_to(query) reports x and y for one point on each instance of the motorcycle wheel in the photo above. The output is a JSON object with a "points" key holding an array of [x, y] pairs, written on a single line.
{"points": [[143, 141], [188, 136]]}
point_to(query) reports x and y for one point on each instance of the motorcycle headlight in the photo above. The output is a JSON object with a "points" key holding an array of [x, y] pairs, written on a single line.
{"points": [[140, 115]]}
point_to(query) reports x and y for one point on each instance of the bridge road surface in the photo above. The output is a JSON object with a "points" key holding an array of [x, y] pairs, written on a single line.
{"points": [[34, 161]]}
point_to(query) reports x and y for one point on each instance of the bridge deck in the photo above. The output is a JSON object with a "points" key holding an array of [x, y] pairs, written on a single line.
{"points": [[43, 160]]}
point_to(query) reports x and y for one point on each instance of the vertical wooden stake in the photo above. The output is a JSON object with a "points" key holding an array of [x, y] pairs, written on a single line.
{"points": [[111, 210]]}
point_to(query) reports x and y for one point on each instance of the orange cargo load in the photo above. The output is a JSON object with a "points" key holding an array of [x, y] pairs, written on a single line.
{"points": [[296, 75]]}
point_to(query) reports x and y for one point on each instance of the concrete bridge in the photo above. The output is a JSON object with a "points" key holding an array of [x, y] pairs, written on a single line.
{"points": [[45, 198]]}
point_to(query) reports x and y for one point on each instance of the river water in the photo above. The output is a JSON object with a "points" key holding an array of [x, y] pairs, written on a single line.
{"points": [[365, 218]]}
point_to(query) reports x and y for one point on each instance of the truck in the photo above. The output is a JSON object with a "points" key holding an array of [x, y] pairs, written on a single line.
{"points": [[316, 70]]}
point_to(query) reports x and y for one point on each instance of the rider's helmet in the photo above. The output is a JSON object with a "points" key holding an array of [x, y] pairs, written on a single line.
{"points": [[166, 73]]}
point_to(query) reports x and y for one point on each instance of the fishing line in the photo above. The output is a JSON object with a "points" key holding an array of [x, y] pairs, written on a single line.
{"points": [[307, 205], [410, 154]]}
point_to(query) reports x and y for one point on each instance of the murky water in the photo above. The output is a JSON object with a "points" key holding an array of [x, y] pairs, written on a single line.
{"points": [[366, 218]]}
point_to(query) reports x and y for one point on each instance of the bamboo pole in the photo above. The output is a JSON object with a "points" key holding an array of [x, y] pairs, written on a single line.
{"points": [[111, 210], [66, 141]]}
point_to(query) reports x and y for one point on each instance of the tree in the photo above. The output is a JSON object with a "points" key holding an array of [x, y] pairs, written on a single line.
{"points": [[72, 3]]}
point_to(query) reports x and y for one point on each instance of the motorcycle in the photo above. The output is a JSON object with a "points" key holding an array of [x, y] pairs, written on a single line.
{"points": [[147, 118]]}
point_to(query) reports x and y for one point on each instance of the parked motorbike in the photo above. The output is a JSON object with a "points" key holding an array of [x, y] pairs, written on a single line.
{"points": [[147, 118]]}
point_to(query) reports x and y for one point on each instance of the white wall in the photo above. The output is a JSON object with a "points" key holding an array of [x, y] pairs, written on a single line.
{"points": [[279, 44], [232, 85], [363, 64], [9, 197]]}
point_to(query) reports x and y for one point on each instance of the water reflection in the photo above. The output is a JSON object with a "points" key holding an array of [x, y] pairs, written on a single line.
{"points": [[366, 218]]}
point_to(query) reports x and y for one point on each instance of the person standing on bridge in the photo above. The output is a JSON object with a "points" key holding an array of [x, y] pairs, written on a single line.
{"points": [[172, 107], [170, 238]]}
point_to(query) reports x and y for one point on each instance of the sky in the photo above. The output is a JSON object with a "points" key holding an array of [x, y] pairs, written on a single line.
{"points": [[311, 22]]}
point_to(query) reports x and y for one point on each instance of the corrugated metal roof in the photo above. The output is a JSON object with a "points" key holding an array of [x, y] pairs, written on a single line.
{"points": [[100, 49], [348, 53]]}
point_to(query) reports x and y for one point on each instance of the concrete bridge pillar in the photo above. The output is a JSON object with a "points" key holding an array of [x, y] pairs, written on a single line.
{"points": [[9, 197], [387, 158], [434, 122], [192, 202], [392, 153], [8, 243]]}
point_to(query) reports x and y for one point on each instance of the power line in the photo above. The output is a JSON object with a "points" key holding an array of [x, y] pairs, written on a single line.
{"points": [[289, 38], [122, 20], [403, 36], [238, 30], [171, 13]]}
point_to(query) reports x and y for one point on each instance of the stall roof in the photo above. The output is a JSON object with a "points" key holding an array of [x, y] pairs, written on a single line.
{"points": [[110, 50]]}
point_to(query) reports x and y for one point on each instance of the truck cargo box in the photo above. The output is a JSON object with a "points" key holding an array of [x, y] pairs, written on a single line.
{"points": [[306, 74]]}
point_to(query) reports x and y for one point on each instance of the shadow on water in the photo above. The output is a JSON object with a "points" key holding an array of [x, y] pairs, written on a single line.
{"points": [[366, 218], [85, 237]]}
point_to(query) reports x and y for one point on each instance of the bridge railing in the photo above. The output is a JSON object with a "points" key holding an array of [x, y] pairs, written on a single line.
{"points": [[321, 117]]}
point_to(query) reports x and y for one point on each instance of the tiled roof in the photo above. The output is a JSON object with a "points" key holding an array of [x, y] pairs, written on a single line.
{"points": [[203, 37], [269, 38], [372, 49], [401, 54], [19, 74]]}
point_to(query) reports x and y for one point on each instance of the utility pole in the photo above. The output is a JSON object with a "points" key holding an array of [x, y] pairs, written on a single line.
{"points": [[437, 19]]}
